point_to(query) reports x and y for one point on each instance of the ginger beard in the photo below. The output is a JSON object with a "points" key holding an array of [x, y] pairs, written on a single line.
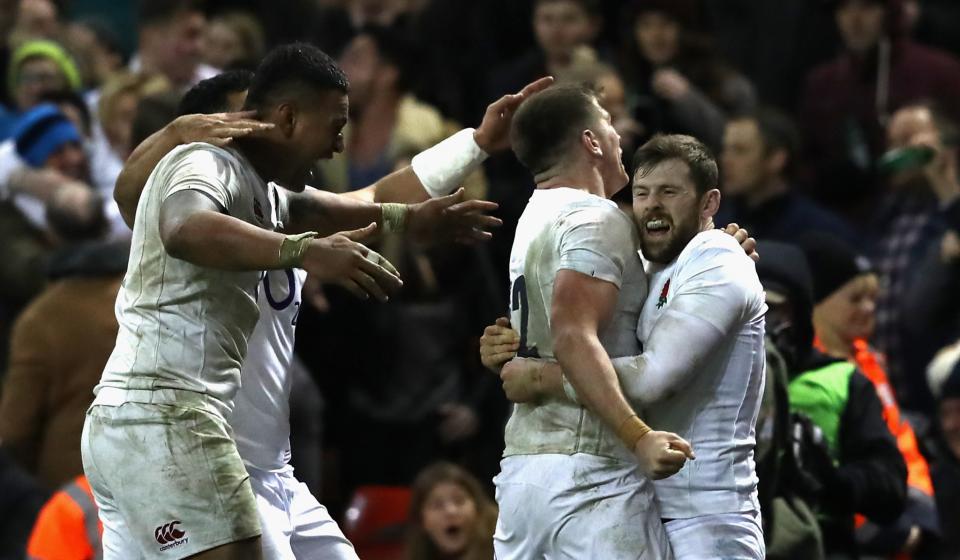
{"points": [[667, 210]]}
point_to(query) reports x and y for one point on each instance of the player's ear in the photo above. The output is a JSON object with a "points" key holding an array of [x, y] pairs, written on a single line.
{"points": [[591, 143], [286, 118], [710, 203]]}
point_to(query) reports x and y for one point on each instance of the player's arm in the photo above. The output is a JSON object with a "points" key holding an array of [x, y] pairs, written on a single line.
{"points": [[217, 129], [448, 218], [193, 228], [439, 170], [581, 306], [702, 311], [705, 308]]}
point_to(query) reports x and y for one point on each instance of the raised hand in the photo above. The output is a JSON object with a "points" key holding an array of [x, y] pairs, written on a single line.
{"points": [[493, 134], [341, 259], [661, 454], [218, 129], [450, 218]]}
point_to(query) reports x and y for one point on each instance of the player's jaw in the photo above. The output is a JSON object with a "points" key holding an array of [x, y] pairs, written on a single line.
{"points": [[664, 234]]}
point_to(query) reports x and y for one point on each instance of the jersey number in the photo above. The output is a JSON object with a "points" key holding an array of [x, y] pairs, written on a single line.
{"points": [[519, 299]]}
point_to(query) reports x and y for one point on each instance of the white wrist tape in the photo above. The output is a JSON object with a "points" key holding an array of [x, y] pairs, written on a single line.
{"points": [[442, 167]]}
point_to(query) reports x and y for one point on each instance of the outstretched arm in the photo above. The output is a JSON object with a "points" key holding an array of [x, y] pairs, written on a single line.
{"points": [[439, 170], [192, 228], [447, 218]]}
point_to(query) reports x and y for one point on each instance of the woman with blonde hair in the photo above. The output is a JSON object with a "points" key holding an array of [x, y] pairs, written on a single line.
{"points": [[233, 40], [451, 517], [117, 106]]}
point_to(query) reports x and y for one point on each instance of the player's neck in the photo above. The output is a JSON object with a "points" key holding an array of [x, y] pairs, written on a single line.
{"points": [[586, 179], [263, 156]]}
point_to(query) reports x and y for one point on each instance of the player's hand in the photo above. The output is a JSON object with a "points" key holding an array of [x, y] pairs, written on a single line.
{"points": [[493, 134], [218, 129], [522, 380], [498, 344], [341, 259], [742, 236], [450, 218], [662, 454]]}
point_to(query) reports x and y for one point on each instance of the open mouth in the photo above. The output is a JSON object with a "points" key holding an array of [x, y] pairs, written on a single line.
{"points": [[657, 227], [453, 531]]}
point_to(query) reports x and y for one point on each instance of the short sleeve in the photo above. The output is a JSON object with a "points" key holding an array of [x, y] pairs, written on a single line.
{"points": [[597, 241], [206, 169]]}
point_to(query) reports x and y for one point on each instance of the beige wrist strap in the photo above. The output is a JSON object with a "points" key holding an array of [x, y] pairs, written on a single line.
{"points": [[394, 217], [293, 247], [631, 430]]}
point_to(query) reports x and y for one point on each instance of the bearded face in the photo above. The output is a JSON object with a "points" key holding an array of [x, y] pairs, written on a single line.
{"points": [[666, 207]]}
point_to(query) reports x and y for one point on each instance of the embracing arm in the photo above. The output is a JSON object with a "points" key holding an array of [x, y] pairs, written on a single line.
{"points": [[704, 307], [581, 306], [217, 129], [136, 170], [669, 361]]}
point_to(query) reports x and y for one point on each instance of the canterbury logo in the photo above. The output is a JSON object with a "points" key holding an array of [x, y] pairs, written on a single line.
{"points": [[168, 533]]}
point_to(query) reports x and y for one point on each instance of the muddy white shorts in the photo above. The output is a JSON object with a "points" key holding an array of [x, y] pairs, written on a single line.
{"points": [[725, 536], [295, 525], [576, 506], [167, 477]]}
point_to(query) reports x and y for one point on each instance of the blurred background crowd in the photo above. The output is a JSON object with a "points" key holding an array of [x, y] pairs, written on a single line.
{"points": [[835, 126]]}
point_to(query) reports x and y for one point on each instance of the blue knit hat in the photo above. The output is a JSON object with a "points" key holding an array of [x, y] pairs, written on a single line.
{"points": [[41, 131]]}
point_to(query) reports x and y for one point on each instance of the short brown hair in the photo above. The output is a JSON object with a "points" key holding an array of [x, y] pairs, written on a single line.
{"points": [[694, 153], [550, 122]]}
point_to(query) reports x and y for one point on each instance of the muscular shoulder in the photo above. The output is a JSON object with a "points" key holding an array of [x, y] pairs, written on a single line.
{"points": [[710, 245], [202, 157], [615, 226], [715, 259], [217, 172]]}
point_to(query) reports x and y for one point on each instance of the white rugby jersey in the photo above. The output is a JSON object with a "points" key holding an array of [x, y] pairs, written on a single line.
{"points": [[184, 326], [261, 415], [701, 372], [564, 228]]}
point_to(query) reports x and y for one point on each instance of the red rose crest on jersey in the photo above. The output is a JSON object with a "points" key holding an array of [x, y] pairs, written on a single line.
{"points": [[663, 294]]}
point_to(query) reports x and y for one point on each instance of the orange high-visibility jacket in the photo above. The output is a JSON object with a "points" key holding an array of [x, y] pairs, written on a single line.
{"points": [[918, 471], [68, 527], [919, 484]]}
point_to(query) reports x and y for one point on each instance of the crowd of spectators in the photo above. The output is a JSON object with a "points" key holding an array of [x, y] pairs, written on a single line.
{"points": [[835, 123]]}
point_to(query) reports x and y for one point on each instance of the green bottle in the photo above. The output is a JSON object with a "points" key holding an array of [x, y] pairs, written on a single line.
{"points": [[905, 159]]}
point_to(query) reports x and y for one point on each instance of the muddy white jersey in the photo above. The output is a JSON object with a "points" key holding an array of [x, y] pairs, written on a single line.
{"points": [[564, 228], [184, 326]]}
